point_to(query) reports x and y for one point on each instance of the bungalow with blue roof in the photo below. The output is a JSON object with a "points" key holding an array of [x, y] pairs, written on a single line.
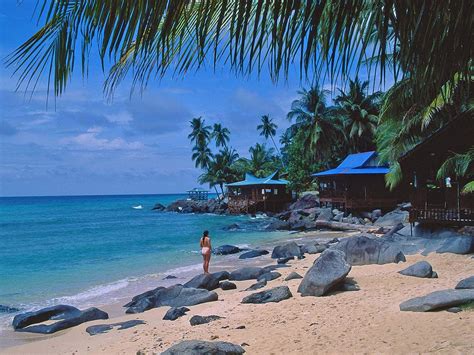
{"points": [[357, 184], [253, 194]]}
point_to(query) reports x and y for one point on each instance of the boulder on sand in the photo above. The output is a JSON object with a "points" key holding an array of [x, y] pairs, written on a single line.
{"points": [[257, 285], [104, 328], [305, 202], [175, 312], [253, 254], [173, 296], [438, 300], [25, 319], [365, 249], [67, 320], [293, 275], [392, 218], [325, 215], [269, 276], [200, 347], [467, 283], [329, 270], [283, 261], [419, 269], [226, 249], [290, 249], [197, 320], [227, 285], [276, 294], [246, 273], [207, 281]]}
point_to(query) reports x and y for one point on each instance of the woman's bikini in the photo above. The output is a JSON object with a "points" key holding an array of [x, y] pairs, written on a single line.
{"points": [[205, 249]]}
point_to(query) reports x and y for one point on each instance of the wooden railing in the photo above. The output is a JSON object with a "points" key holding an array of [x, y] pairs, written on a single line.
{"points": [[442, 215]]}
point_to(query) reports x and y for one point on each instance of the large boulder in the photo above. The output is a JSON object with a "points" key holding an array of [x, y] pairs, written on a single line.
{"points": [[198, 320], [227, 285], [305, 202], [175, 312], [159, 207], [366, 249], [392, 218], [420, 269], [325, 215], [290, 249], [60, 311], [313, 248], [328, 271], [200, 347], [276, 294], [438, 300], [278, 225], [68, 320], [226, 249], [257, 285], [253, 254], [207, 281], [292, 276], [173, 296], [467, 283], [269, 276], [246, 273]]}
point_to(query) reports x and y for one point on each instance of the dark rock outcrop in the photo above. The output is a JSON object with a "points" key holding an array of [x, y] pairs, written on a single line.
{"points": [[175, 312], [207, 281], [232, 227], [60, 311], [190, 206], [159, 207], [173, 296], [104, 328], [246, 273], [197, 320], [438, 300], [365, 250], [283, 261], [420, 269], [467, 283], [257, 285], [278, 225], [269, 276], [327, 272], [305, 202], [227, 285], [292, 276], [290, 249], [276, 294], [200, 347], [313, 248], [68, 319], [392, 218], [325, 215], [226, 250], [253, 254]]}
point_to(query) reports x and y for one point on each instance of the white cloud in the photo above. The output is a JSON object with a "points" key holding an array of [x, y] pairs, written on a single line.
{"points": [[90, 140], [121, 117]]}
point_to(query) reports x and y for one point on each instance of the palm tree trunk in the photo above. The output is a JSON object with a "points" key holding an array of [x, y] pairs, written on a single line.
{"points": [[217, 193], [278, 151]]}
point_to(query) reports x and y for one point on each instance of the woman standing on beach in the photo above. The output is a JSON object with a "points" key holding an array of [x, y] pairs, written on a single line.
{"points": [[206, 251]]}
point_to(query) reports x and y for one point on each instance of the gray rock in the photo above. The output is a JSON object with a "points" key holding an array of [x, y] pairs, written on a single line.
{"points": [[290, 249], [457, 245], [169, 277], [392, 218], [292, 276], [246, 273], [438, 300], [7, 309], [173, 296], [419, 269], [175, 312], [325, 215], [467, 283], [365, 250], [328, 270], [313, 248], [104, 328], [256, 286], [60, 311], [232, 227], [198, 320], [454, 310], [205, 281], [276, 294], [305, 202], [283, 261], [269, 276], [200, 347], [278, 225], [227, 285], [226, 250], [376, 214], [68, 320], [159, 207], [338, 217], [253, 254]]}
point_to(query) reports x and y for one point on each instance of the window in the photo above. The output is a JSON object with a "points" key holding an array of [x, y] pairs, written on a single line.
{"points": [[275, 192]]}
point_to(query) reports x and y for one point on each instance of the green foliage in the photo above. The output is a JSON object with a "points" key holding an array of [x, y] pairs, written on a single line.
{"points": [[261, 162], [200, 133], [220, 135]]}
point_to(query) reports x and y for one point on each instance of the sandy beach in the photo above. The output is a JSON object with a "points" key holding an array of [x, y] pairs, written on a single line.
{"points": [[366, 321]]}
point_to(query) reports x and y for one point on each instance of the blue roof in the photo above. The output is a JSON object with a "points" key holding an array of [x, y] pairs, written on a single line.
{"points": [[357, 164], [271, 179]]}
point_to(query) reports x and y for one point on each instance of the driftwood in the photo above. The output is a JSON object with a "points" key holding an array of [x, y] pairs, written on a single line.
{"points": [[340, 226]]}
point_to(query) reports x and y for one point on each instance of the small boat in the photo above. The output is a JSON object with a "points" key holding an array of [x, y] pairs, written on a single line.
{"points": [[139, 207]]}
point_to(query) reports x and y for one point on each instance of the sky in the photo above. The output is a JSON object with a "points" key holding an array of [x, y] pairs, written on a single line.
{"points": [[83, 144]]}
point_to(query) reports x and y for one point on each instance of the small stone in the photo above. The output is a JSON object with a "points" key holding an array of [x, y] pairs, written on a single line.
{"points": [[240, 327], [454, 310]]}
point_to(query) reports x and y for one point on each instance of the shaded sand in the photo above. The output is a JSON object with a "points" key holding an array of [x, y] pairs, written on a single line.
{"points": [[367, 321]]}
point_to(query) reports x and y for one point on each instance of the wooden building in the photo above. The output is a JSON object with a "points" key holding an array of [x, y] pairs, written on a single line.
{"points": [[437, 201], [268, 194], [198, 194], [357, 184]]}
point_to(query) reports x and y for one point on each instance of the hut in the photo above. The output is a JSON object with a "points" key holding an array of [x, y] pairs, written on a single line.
{"points": [[357, 184], [267, 194], [198, 194], [437, 201]]}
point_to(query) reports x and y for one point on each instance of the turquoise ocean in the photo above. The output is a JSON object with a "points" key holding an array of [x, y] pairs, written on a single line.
{"points": [[90, 250]]}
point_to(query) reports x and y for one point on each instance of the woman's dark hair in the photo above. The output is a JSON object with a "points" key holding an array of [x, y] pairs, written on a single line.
{"points": [[205, 233]]}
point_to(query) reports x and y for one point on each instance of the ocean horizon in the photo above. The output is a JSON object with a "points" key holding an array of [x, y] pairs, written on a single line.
{"points": [[97, 249]]}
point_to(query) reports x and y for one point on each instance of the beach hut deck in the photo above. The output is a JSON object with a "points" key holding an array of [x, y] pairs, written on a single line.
{"points": [[198, 194]]}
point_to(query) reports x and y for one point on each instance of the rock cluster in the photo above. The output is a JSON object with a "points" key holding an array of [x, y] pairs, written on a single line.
{"points": [[190, 206]]}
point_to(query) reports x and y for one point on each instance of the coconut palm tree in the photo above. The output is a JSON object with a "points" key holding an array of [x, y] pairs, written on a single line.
{"points": [[261, 161], [200, 133], [202, 156], [221, 135], [311, 115], [152, 38], [268, 129], [358, 113]]}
